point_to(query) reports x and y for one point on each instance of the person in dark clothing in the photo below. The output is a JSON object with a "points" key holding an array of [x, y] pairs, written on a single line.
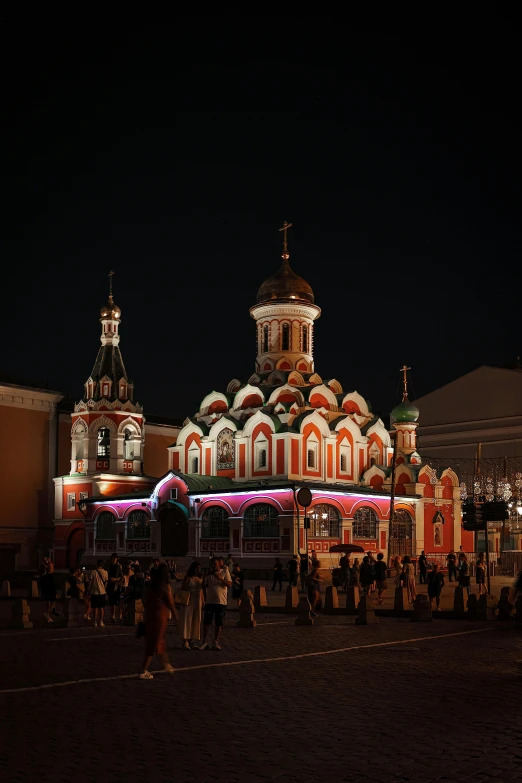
{"points": [[366, 575], [379, 570], [114, 585], [73, 583], [293, 568], [238, 577], [435, 584], [303, 572], [48, 588], [451, 559], [278, 575], [136, 587], [423, 568]]}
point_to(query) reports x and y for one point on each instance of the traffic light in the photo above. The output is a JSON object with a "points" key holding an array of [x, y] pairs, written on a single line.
{"points": [[496, 511], [473, 516]]}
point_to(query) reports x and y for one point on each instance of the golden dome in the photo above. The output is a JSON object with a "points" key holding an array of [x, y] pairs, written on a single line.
{"points": [[285, 285], [110, 310]]}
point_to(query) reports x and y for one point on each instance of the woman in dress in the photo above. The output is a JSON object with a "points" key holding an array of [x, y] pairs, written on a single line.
{"points": [[408, 572], [480, 574], [190, 615], [356, 572], [314, 589], [158, 603]]}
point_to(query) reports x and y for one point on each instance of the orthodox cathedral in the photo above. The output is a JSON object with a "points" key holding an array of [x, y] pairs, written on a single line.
{"points": [[238, 463]]}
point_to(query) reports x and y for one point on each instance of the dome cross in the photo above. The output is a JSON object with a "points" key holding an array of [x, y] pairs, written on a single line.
{"points": [[284, 228], [404, 369]]}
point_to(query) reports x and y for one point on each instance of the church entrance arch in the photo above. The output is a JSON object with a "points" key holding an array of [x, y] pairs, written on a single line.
{"points": [[174, 530], [401, 541], [75, 547]]}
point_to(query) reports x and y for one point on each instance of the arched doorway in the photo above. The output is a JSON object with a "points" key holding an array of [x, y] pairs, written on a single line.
{"points": [[174, 529], [401, 542], [75, 547]]}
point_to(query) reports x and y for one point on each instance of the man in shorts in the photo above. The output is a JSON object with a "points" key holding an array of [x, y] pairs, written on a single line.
{"points": [[215, 591], [379, 568]]}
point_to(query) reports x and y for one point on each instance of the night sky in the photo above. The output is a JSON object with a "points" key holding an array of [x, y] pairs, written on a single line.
{"points": [[173, 153]]}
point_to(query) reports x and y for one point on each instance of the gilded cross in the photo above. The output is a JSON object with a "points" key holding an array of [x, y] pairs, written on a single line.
{"points": [[285, 228], [404, 369], [110, 282]]}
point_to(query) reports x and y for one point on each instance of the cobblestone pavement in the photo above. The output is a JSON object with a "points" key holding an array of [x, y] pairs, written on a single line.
{"points": [[395, 701]]}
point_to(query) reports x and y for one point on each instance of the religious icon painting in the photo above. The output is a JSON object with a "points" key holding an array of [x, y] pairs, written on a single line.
{"points": [[225, 450]]}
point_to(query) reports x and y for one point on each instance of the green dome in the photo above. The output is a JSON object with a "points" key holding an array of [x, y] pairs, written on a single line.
{"points": [[405, 411]]}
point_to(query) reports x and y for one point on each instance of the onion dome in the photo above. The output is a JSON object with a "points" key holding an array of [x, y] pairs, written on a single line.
{"points": [[285, 285], [110, 310], [405, 411]]}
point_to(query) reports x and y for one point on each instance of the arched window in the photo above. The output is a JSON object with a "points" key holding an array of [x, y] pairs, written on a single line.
{"points": [[214, 523], [265, 339], [105, 526], [311, 458], [128, 445], [401, 541], [343, 463], [364, 523], [285, 337], [261, 521], [194, 465], [80, 435], [262, 458], [305, 339], [138, 525], [104, 442], [325, 521]]}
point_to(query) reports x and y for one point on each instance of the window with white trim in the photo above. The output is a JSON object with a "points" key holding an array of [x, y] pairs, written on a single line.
{"points": [[265, 339], [193, 459], [364, 523], [261, 453], [83, 496], [104, 442], [345, 455], [128, 444], [285, 337], [305, 339], [174, 493], [312, 453], [71, 501]]}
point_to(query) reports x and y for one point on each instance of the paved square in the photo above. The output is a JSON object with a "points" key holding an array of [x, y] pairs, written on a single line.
{"points": [[395, 701]]}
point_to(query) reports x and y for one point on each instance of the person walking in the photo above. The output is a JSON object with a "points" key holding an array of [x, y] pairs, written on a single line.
{"points": [[238, 578], [114, 584], [190, 614], [435, 585], [451, 560], [99, 579], [423, 568], [408, 578], [356, 572], [230, 562], [366, 575], [314, 589], [158, 603], [463, 572], [344, 565], [480, 574], [293, 569], [48, 588], [215, 592], [73, 583], [303, 571], [380, 576], [397, 567], [278, 575]]}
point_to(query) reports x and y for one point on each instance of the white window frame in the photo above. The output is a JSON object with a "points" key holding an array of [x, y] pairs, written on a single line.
{"points": [[345, 450], [312, 444], [71, 501], [193, 454], [173, 493], [83, 496], [261, 444]]}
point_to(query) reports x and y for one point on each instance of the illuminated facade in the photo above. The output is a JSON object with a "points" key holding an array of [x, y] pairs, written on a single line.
{"points": [[237, 464]]}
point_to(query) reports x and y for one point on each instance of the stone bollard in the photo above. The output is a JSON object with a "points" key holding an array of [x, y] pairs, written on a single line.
{"points": [[331, 600], [505, 605], [134, 612], [260, 596], [421, 609], [292, 598], [303, 612], [458, 601], [401, 602], [365, 612], [246, 611], [34, 589], [6, 589], [20, 614], [472, 606], [486, 607], [518, 609], [352, 598], [73, 613]]}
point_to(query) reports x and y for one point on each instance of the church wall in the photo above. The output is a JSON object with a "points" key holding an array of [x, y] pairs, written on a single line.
{"points": [[155, 454]]}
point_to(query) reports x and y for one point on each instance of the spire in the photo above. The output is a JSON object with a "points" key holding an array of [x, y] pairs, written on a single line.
{"points": [[110, 317], [286, 255], [111, 273], [404, 369]]}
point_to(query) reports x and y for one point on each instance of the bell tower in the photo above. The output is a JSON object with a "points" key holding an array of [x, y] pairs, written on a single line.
{"points": [[107, 434], [404, 420]]}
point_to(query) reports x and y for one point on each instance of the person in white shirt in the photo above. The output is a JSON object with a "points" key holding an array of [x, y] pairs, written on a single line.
{"points": [[99, 579], [215, 591]]}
